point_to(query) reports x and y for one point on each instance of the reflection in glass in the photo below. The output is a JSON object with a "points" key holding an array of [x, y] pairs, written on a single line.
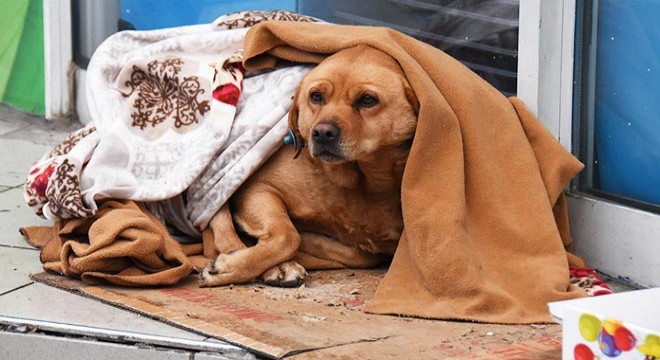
{"points": [[483, 34], [621, 94]]}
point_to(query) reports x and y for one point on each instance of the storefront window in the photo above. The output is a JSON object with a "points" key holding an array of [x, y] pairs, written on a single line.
{"points": [[617, 75], [482, 34]]}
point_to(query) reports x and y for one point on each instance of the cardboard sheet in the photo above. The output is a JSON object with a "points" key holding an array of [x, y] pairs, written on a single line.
{"points": [[320, 320]]}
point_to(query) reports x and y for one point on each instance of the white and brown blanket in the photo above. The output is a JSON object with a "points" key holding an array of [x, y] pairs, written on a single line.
{"points": [[177, 124]]}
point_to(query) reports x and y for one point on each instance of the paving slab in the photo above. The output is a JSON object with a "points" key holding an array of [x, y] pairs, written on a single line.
{"points": [[16, 116], [16, 157], [14, 213], [24, 138], [12, 120], [9, 125], [15, 267], [45, 303], [15, 124], [39, 346]]}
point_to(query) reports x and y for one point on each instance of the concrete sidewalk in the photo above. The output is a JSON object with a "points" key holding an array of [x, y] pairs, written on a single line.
{"points": [[41, 322]]}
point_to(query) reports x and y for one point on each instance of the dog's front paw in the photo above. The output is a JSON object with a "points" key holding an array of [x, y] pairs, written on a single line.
{"points": [[286, 274], [224, 271]]}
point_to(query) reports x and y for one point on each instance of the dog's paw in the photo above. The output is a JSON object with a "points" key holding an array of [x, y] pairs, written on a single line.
{"points": [[286, 274], [223, 271]]}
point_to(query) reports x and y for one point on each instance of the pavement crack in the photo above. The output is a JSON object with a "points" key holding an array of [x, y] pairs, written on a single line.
{"points": [[16, 288], [19, 247], [367, 340]]}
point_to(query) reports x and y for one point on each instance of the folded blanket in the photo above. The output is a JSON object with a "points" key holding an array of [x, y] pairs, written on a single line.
{"points": [[482, 193]]}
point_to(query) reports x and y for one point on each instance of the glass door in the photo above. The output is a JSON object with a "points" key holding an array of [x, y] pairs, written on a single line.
{"points": [[619, 101], [616, 133]]}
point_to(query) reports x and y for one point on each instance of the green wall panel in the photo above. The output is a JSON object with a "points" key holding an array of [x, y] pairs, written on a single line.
{"points": [[12, 18], [22, 55]]}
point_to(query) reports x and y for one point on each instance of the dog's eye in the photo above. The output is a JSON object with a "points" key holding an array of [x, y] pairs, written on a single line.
{"points": [[366, 101], [316, 97]]}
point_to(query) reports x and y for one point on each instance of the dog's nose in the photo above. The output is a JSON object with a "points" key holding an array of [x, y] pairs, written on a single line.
{"points": [[325, 132]]}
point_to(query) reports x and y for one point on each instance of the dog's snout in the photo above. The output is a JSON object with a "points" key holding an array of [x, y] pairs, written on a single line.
{"points": [[325, 132], [325, 141]]}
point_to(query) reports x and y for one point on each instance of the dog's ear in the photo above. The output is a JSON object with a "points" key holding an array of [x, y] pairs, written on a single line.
{"points": [[293, 124], [412, 98]]}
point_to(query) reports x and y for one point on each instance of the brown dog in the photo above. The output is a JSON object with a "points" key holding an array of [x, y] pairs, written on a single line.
{"points": [[338, 204]]}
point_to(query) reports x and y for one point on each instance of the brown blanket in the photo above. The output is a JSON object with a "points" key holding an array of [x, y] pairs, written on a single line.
{"points": [[483, 205], [122, 244]]}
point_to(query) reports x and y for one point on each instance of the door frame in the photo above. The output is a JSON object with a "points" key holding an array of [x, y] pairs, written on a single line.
{"points": [[616, 239], [58, 59]]}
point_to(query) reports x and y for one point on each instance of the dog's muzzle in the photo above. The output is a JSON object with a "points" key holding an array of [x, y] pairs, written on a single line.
{"points": [[326, 142]]}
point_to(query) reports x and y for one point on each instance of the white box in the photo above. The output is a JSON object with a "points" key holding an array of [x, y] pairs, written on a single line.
{"points": [[622, 326]]}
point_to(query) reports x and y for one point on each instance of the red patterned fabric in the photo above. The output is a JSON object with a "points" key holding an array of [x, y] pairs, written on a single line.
{"points": [[589, 281], [228, 94]]}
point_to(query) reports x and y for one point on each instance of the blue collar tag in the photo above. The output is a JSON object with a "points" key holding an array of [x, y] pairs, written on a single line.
{"points": [[290, 139]]}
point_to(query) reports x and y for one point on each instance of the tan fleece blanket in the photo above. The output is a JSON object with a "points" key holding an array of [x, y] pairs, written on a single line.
{"points": [[483, 206], [122, 244]]}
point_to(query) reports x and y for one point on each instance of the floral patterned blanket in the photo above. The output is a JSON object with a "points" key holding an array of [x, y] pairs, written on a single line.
{"points": [[177, 123]]}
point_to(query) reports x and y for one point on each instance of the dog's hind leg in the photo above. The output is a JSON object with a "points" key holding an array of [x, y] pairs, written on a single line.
{"points": [[286, 274], [263, 214], [318, 252]]}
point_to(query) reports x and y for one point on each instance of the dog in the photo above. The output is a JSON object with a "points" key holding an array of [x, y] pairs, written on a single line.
{"points": [[336, 203]]}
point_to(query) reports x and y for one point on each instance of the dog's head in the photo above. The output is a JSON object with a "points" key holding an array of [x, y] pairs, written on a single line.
{"points": [[352, 104]]}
